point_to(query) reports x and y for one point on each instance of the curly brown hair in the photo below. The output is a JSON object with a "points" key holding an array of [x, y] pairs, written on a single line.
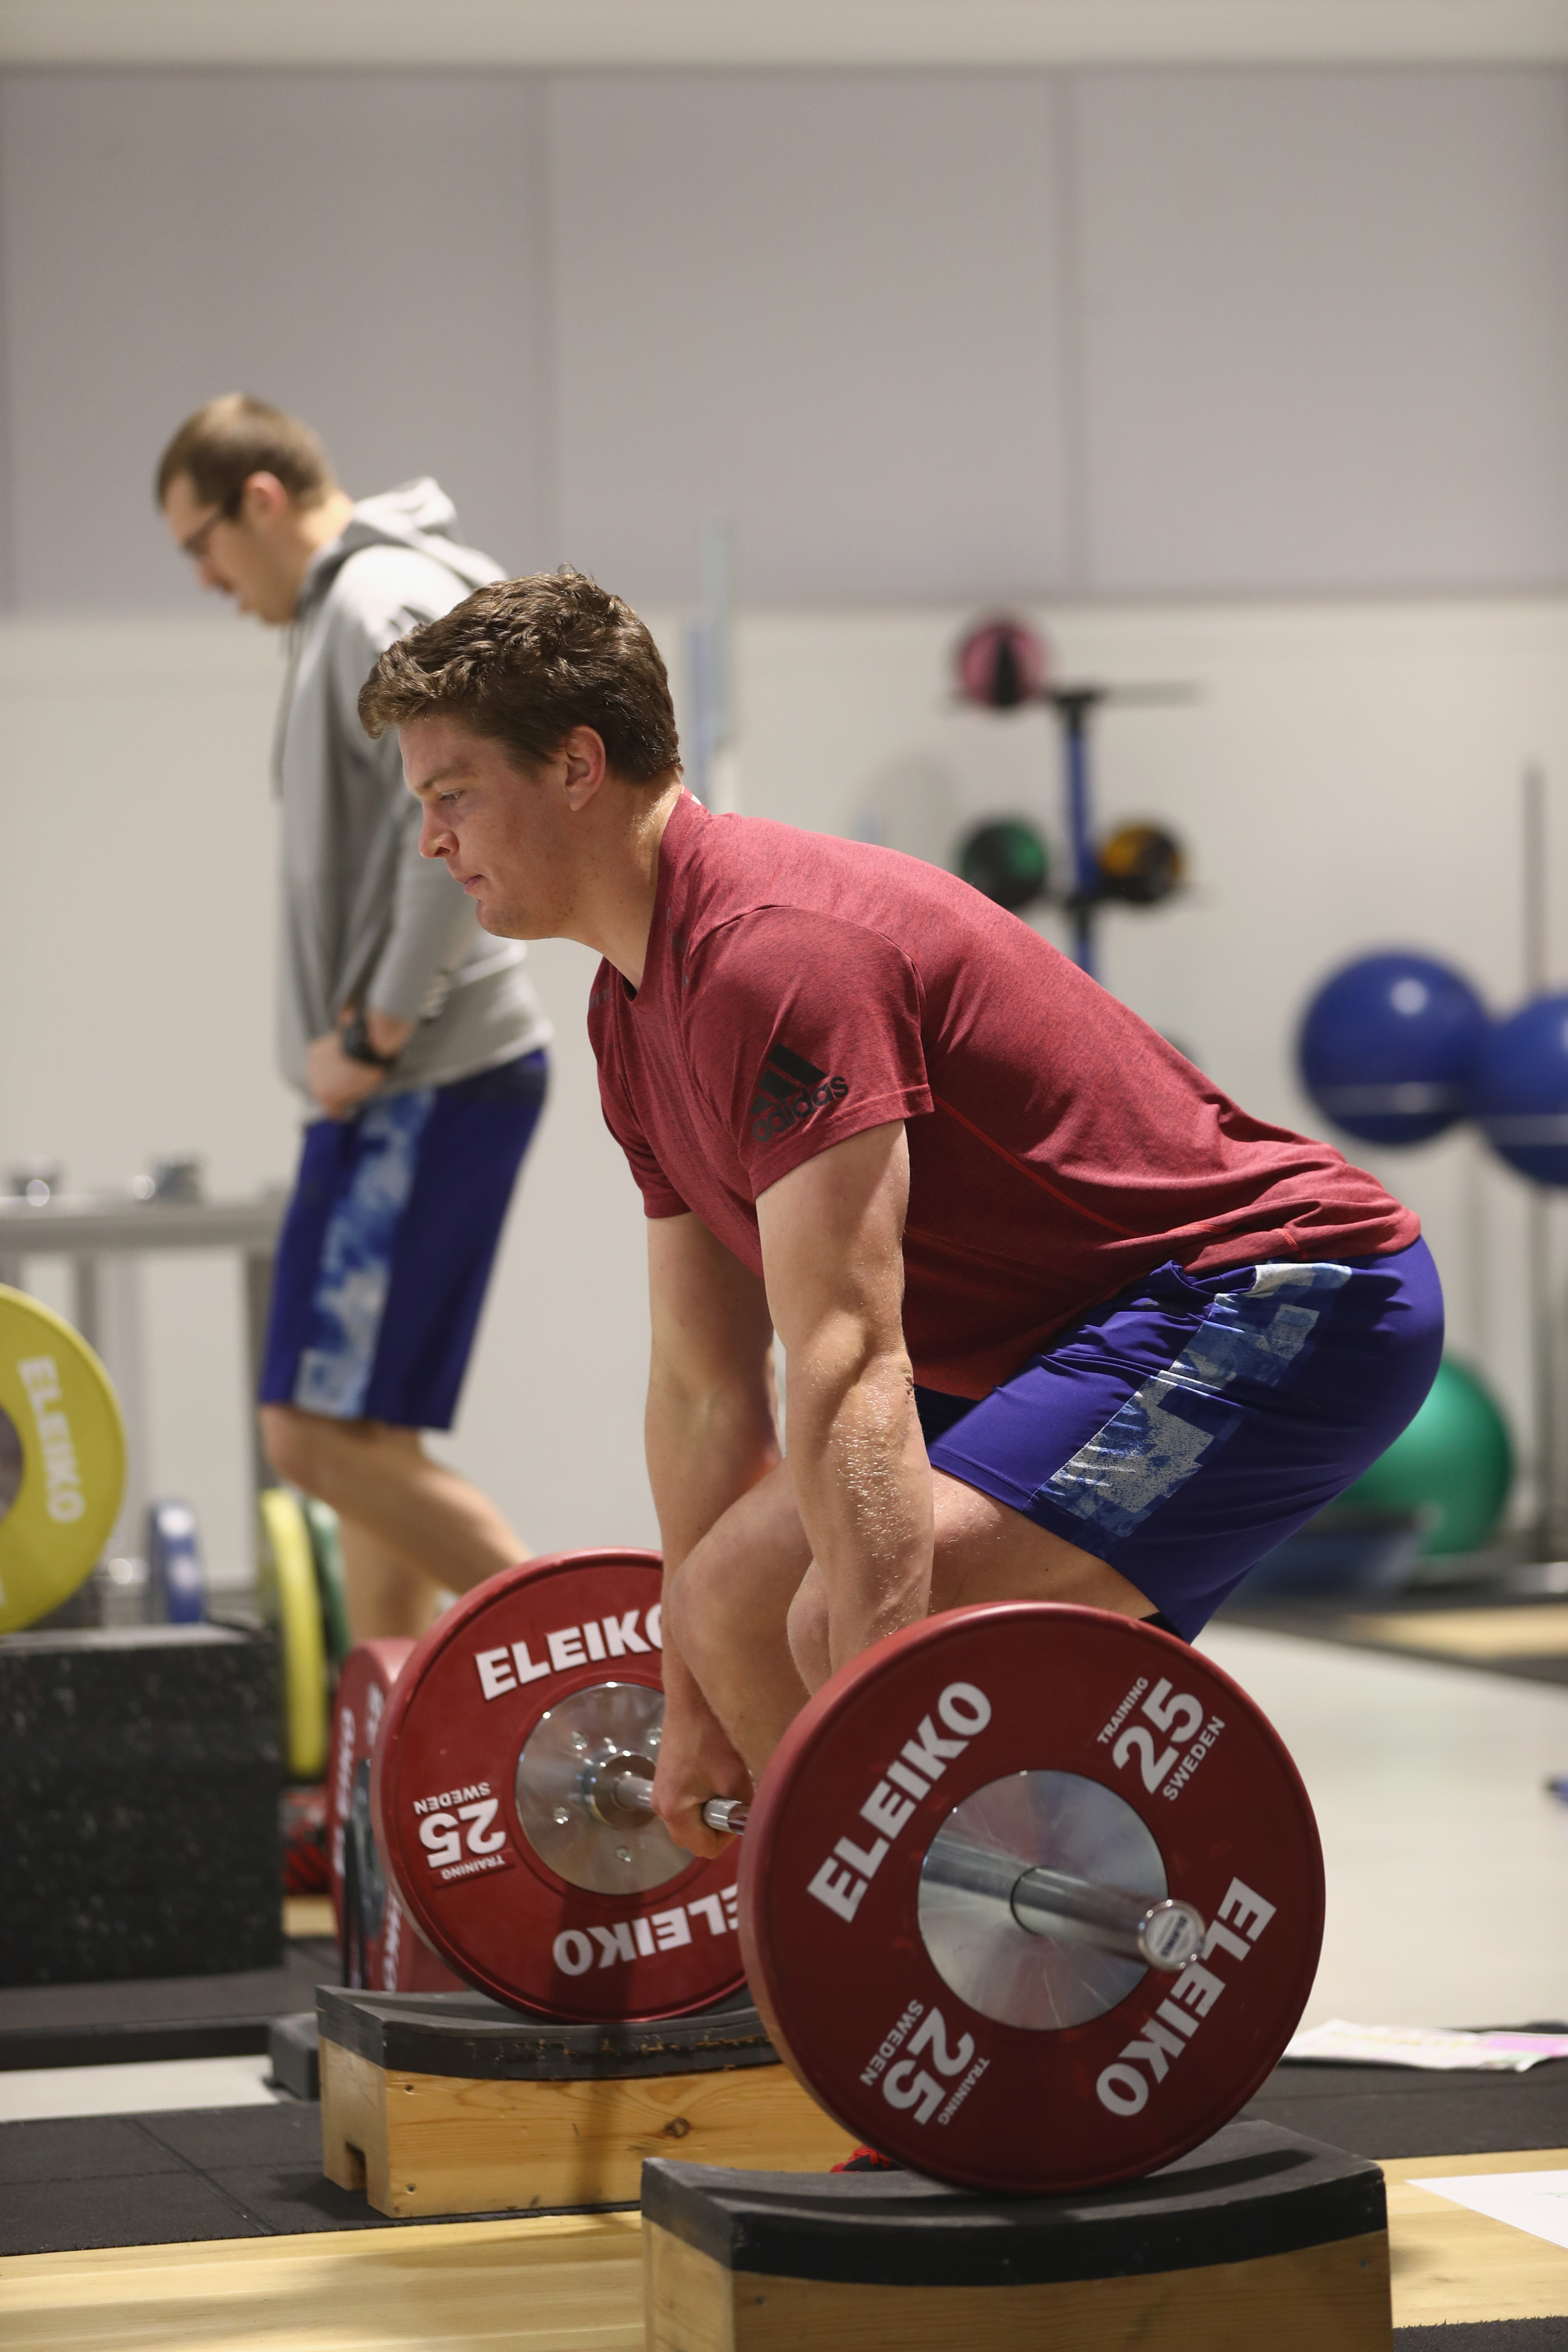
{"points": [[523, 661]]}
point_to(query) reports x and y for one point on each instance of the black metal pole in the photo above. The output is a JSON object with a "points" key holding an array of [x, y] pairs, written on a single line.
{"points": [[1542, 1319]]}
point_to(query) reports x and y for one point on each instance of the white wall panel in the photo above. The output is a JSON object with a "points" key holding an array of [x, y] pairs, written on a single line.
{"points": [[1325, 328], [363, 249], [824, 307]]}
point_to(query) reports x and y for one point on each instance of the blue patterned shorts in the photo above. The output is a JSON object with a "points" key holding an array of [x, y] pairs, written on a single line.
{"points": [[387, 1247], [1188, 1426]]}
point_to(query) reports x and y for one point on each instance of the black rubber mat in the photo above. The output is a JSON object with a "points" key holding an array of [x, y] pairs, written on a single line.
{"points": [[1389, 2111], [1485, 2335], [167, 2179], [249, 2172], [160, 2017]]}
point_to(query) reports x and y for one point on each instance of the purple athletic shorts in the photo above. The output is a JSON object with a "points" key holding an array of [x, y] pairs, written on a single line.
{"points": [[388, 1243], [1185, 1427]]}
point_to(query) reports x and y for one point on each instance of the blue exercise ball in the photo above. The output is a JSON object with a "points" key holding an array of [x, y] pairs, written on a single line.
{"points": [[1521, 1089], [1386, 1048]]}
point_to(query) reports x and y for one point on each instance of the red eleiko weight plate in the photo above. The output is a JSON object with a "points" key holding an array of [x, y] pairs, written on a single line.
{"points": [[1144, 1761], [379, 1946], [559, 1658]]}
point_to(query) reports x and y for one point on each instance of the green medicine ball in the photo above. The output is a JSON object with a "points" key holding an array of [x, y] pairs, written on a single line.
{"points": [[1007, 861], [1453, 1465]]}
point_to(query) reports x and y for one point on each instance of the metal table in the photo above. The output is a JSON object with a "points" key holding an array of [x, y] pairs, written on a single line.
{"points": [[103, 1238]]}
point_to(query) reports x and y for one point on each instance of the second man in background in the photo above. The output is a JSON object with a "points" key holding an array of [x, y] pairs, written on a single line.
{"points": [[415, 1037]]}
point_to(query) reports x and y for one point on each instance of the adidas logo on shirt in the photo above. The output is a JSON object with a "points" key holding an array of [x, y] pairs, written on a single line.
{"points": [[789, 1090]]}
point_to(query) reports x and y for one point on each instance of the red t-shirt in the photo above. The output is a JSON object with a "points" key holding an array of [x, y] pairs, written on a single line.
{"points": [[800, 989]]}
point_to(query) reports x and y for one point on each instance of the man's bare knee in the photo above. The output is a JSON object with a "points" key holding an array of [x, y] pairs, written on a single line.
{"points": [[300, 1446], [807, 1626], [693, 1609]]}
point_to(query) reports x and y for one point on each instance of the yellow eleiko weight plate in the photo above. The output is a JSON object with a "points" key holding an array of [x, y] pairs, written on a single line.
{"points": [[62, 1460], [292, 1602]]}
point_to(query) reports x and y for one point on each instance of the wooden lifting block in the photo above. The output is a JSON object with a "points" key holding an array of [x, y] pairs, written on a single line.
{"points": [[1258, 2242], [448, 2102]]}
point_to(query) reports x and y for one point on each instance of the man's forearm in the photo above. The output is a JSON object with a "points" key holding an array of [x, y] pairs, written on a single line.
{"points": [[862, 1486], [386, 1032], [705, 1449]]}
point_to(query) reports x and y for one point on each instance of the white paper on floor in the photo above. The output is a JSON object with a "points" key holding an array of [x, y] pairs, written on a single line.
{"points": [[1426, 2045], [1536, 2201], [145, 2086]]}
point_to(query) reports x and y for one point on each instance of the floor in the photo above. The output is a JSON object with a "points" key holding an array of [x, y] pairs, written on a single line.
{"points": [[573, 2283], [1447, 1876], [566, 2284], [1446, 1860]]}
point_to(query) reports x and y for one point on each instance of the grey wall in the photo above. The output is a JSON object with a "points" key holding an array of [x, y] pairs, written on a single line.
{"points": [[334, 242], [1325, 340], [829, 307], [922, 337]]}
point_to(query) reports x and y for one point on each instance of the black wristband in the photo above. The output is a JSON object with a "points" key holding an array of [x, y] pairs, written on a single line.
{"points": [[353, 1039]]}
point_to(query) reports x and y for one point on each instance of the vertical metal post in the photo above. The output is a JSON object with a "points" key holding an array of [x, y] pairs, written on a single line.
{"points": [[710, 660], [87, 1297], [1073, 705], [257, 1270], [109, 1298], [1542, 1318]]}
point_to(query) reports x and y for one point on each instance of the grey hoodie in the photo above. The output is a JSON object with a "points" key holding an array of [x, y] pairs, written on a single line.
{"points": [[364, 916]]}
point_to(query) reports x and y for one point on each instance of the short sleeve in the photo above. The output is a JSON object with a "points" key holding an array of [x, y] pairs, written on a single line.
{"points": [[659, 1196], [802, 1029]]}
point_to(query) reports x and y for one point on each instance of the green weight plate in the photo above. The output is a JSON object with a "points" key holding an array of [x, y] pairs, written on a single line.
{"points": [[326, 1543], [62, 1460], [291, 1602]]}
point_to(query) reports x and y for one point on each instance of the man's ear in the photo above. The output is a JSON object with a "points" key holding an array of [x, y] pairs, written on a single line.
{"points": [[587, 765], [264, 501]]}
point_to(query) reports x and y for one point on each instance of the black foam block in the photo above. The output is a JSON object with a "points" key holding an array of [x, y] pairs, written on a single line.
{"points": [[139, 1779], [1252, 2190], [294, 2045], [158, 2017], [467, 2034]]}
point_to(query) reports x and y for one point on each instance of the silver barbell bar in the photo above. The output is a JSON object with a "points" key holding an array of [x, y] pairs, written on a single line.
{"points": [[1162, 1931]]}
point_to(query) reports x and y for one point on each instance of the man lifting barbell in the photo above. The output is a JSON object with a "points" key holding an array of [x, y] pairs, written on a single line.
{"points": [[1061, 1321]]}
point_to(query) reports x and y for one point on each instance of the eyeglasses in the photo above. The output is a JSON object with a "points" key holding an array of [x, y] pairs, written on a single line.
{"points": [[196, 546]]}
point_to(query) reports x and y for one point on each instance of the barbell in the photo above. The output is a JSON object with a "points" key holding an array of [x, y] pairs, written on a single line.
{"points": [[1030, 1896], [1162, 1933]]}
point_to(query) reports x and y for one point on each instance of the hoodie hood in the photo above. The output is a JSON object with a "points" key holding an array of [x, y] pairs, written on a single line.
{"points": [[417, 515]]}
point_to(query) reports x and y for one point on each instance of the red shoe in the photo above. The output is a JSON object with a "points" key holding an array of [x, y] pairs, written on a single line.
{"points": [[868, 2159]]}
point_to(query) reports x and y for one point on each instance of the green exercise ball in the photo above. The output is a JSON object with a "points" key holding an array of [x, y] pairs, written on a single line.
{"points": [[1006, 859], [1453, 1465]]}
